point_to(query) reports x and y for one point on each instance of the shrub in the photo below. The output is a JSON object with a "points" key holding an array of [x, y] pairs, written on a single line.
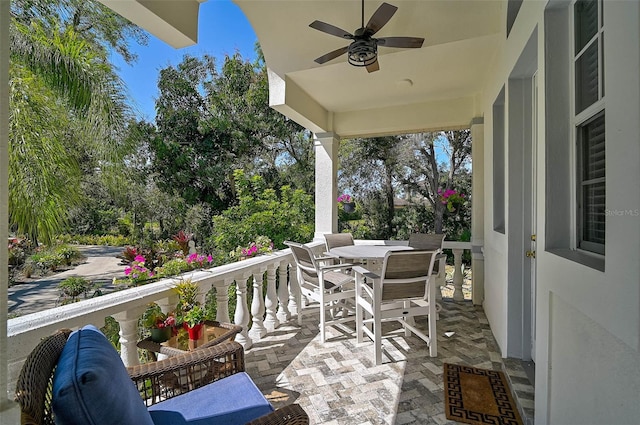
{"points": [[67, 253], [74, 286], [173, 267], [281, 215]]}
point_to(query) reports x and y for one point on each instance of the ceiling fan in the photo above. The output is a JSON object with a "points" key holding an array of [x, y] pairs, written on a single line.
{"points": [[363, 50]]}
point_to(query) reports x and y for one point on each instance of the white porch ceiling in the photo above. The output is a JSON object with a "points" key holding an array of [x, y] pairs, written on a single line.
{"points": [[435, 87]]}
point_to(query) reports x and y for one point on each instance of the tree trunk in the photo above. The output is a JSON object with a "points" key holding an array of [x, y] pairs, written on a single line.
{"points": [[438, 217], [388, 183]]}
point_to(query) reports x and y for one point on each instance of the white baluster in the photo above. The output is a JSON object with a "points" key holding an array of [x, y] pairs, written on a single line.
{"points": [[257, 330], [241, 316], [457, 275], [295, 306], [222, 300], [271, 321], [283, 294], [128, 321], [168, 304]]}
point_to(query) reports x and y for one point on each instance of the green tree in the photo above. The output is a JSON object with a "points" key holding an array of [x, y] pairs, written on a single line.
{"points": [[61, 93], [67, 108], [212, 120], [190, 158], [370, 169], [425, 176]]}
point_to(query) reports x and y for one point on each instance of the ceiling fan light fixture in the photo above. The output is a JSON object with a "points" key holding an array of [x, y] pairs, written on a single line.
{"points": [[363, 52]]}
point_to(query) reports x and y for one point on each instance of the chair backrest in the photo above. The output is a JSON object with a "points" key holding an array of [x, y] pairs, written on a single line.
{"points": [[305, 260], [426, 240], [334, 240], [405, 273], [34, 386]]}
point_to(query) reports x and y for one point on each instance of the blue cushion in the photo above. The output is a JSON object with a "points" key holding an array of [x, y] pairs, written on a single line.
{"points": [[91, 385], [229, 401]]}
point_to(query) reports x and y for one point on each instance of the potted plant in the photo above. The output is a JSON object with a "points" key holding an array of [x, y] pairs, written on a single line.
{"points": [[347, 202], [190, 311], [160, 325], [451, 199]]}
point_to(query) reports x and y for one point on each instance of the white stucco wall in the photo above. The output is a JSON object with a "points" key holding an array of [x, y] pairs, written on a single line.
{"points": [[588, 321]]}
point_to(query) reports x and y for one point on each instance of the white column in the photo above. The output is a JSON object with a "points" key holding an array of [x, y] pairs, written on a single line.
{"points": [[128, 321], [457, 274], [283, 294], [241, 316], [7, 407], [271, 321], [326, 149], [477, 210]]}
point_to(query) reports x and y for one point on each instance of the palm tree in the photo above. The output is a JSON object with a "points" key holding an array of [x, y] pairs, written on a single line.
{"points": [[66, 110]]}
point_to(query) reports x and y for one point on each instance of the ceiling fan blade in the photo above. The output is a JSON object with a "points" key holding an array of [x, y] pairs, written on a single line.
{"points": [[332, 55], [407, 42], [373, 67], [330, 29], [381, 17]]}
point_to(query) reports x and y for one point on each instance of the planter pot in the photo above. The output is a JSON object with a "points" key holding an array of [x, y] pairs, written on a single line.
{"points": [[349, 207], [196, 335], [160, 334], [196, 331]]}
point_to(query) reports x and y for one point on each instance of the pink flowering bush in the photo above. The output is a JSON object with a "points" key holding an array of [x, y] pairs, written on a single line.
{"points": [[262, 245], [344, 198], [450, 198], [137, 272], [199, 261]]}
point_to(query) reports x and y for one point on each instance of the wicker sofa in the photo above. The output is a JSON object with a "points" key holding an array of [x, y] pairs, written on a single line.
{"points": [[100, 386]]}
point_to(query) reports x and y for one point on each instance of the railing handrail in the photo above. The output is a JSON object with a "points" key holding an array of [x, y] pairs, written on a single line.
{"points": [[113, 302]]}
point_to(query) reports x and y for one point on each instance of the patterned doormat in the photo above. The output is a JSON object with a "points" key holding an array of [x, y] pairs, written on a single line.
{"points": [[478, 396]]}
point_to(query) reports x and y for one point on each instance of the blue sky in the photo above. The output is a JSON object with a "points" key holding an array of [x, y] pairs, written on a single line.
{"points": [[223, 29]]}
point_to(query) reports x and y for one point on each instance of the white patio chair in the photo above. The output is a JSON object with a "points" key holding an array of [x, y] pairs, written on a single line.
{"points": [[325, 284], [402, 291]]}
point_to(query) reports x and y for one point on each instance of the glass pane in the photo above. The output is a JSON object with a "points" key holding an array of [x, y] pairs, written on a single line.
{"points": [[587, 78], [593, 149], [593, 213], [586, 22], [602, 64]]}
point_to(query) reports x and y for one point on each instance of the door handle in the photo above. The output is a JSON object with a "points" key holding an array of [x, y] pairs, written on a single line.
{"points": [[530, 254]]}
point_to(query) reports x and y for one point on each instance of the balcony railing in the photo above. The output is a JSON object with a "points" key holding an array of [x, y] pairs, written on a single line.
{"points": [[279, 304]]}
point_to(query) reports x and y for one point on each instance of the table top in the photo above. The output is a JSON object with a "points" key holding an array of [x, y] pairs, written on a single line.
{"points": [[368, 252]]}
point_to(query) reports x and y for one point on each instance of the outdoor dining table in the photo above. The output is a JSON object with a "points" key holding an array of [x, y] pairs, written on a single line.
{"points": [[366, 252]]}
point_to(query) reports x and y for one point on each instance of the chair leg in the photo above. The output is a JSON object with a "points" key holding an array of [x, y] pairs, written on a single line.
{"points": [[377, 326], [377, 338], [359, 310], [323, 318], [433, 334], [410, 320]]}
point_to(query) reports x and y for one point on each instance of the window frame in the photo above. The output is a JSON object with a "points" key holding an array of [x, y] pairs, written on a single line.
{"points": [[582, 119]]}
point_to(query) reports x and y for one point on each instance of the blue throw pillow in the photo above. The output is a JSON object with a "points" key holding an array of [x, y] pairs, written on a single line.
{"points": [[91, 385]]}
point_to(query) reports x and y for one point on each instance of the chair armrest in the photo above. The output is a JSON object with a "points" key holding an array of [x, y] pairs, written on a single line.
{"points": [[337, 266], [291, 414], [157, 381], [365, 272]]}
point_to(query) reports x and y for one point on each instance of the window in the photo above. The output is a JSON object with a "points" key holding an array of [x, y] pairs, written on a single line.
{"points": [[591, 197], [589, 122]]}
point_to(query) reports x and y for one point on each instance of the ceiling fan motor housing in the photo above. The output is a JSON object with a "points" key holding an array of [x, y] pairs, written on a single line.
{"points": [[363, 52]]}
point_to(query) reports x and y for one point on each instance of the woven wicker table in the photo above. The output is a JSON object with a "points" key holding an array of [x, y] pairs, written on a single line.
{"points": [[214, 333]]}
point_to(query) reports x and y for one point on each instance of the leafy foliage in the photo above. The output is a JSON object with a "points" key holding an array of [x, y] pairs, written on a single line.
{"points": [[287, 214]]}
